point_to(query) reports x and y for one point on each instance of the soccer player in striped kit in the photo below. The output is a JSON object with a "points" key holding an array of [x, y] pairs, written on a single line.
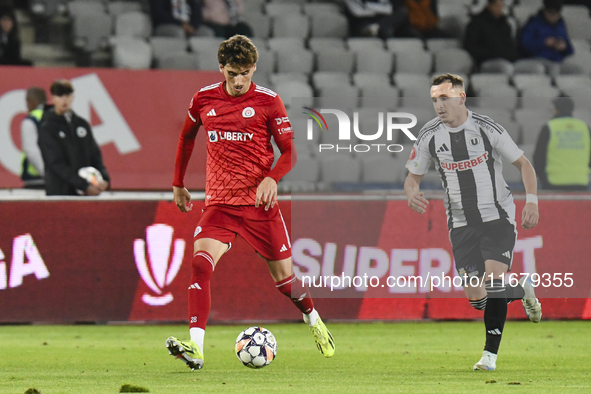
{"points": [[241, 190], [467, 149]]}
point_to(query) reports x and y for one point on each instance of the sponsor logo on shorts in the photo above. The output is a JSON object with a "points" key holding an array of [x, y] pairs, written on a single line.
{"points": [[248, 112], [283, 248], [464, 164]]}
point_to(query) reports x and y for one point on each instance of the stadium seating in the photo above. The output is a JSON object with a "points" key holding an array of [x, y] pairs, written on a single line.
{"points": [[131, 52], [329, 25], [91, 32], [259, 23], [305, 50], [357, 44], [290, 25], [135, 24], [380, 169], [164, 45], [319, 44], [340, 169], [372, 60], [420, 62], [335, 60], [178, 60], [295, 60]]}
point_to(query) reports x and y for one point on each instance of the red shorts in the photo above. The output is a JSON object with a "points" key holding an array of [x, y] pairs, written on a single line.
{"points": [[264, 230]]}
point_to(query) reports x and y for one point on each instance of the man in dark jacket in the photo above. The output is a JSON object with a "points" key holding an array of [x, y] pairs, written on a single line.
{"points": [[488, 35], [545, 35], [67, 145]]}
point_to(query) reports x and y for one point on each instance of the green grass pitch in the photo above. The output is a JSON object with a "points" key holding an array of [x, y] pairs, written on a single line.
{"points": [[423, 357]]}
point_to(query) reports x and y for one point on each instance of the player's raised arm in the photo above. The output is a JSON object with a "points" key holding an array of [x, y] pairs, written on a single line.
{"points": [[182, 198], [530, 214]]}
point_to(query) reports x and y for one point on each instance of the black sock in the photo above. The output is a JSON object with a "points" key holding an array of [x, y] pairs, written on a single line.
{"points": [[514, 293], [495, 314]]}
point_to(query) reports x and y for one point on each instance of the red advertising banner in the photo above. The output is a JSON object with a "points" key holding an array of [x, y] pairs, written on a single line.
{"points": [[68, 261], [136, 117]]}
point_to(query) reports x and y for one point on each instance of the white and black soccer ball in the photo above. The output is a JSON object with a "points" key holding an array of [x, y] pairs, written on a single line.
{"points": [[90, 175], [256, 347]]}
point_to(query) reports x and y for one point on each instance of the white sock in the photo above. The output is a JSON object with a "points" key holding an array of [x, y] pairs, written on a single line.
{"points": [[197, 336], [311, 318]]}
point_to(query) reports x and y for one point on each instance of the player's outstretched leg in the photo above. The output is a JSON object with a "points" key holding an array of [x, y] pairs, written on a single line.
{"points": [[531, 305], [191, 352], [299, 294], [187, 352]]}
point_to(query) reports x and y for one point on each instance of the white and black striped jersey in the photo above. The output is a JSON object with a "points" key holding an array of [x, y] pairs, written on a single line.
{"points": [[468, 160]]}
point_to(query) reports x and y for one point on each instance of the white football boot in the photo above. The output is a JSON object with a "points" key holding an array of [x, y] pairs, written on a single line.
{"points": [[531, 305], [488, 362]]}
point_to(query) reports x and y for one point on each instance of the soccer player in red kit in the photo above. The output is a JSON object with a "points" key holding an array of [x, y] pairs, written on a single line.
{"points": [[241, 189]]}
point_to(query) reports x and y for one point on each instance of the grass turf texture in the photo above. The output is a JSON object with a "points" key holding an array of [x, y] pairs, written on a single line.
{"points": [[422, 357]]}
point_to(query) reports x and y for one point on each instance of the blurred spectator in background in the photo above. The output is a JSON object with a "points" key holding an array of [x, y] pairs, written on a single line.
{"points": [[32, 161], [184, 13], [489, 35], [379, 18], [223, 16], [563, 151], [545, 35], [424, 18], [67, 145], [10, 44]]}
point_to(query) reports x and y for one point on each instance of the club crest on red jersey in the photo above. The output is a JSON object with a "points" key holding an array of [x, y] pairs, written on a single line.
{"points": [[248, 112]]}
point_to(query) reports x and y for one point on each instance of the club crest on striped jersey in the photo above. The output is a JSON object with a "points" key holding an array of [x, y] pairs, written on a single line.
{"points": [[248, 112], [475, 141], [413, 153]]}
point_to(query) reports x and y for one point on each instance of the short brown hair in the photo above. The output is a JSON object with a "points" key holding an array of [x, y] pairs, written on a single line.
{"points": [[455, 80], [37, 95], [238, 51], [61, 87]]}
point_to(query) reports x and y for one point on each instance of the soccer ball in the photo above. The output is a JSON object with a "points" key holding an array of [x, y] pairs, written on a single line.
{"points": [[256, 347], [91, 175]]}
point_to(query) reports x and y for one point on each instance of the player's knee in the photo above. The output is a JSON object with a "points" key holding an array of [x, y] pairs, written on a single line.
{"points": [[479, 304], [202, 263]]}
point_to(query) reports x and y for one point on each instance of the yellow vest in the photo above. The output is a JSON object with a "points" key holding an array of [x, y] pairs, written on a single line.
{"points": [[36, 114], [568, 152]]}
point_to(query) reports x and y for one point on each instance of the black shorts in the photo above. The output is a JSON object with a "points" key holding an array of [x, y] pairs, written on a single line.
{"points": [[473, 245]]}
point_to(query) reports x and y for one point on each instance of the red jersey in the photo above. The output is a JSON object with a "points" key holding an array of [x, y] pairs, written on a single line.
{"points": [[239, 131]]}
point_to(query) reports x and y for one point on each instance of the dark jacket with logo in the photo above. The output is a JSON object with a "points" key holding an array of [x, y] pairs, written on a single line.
{"points": [[66, 147]]}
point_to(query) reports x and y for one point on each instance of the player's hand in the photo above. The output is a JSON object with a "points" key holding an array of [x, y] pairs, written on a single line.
{"points": [[182, 198], [92, 190], [551, 42], [103, 186], [418, 203], [530, 216], [560, 45], [266, 193]]}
